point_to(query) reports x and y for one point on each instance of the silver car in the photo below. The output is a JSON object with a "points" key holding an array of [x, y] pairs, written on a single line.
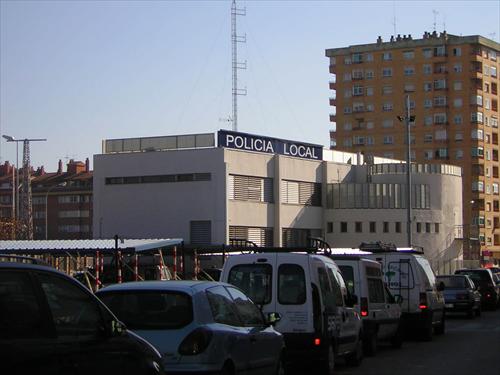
{"points": [[199, 326]]}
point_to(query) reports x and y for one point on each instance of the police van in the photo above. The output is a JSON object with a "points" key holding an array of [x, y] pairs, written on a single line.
{"points": [[409, 277], [308, 293]]}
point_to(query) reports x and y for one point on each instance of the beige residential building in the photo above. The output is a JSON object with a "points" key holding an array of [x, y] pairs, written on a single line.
{"points": [[452, 82]]}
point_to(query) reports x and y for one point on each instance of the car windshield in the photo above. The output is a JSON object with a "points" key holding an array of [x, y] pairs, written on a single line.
{"points": [[150, 310], [453, 282], [479, 277], [254, 280]]}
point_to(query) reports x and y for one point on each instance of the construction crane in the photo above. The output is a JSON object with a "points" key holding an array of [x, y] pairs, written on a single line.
{"points": [[24, 204]]}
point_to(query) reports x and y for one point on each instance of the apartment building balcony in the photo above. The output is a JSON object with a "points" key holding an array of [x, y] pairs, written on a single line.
{"points": [[476, 84], [333, 117], [333, 101], [333, 84]]}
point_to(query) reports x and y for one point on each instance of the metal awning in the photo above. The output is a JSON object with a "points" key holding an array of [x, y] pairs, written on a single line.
{"points": [[85, 247]]}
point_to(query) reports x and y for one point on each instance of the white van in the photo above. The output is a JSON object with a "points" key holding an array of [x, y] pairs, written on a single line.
{"points": [[308, 292], [380, 312], [409, 276]]}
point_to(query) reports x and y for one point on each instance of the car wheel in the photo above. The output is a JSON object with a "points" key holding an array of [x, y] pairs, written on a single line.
{"points": [[328, 364], [439, 330], [355, 358], [370, 344]]}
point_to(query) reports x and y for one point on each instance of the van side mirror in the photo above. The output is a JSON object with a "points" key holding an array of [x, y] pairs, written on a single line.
{"points": [[440, 286], [115, 328], [398, 298], [273, 318]]}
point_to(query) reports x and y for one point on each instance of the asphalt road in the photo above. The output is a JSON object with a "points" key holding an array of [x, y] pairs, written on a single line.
{"points": [[468, 347]]}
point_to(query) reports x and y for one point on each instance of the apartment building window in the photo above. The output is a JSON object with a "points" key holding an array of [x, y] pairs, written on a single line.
{"points": [[439, 84], [347, 126], [369, 91], [358, 227], [428, 154], [476, 100], [409, 87], [343, 227], [347, 142], [385, 226], [357, 58], [369, 74], [494, 122], [300, 192], [370, 125], [73, 228], [388, 123], [357, 74], [387, 72], [358, 107], [427, 86], [347, 93], [492, 55], [493, 71], [357, 90], [457, 68], [347, 110], [347, 60], [329, 227], [409, 70], [428, 138], [494, 188], [369, 56], [486, 70], [428, 120], [73, 199], [200, 232], [387, 56], [358, 140], [251, 188], [478, 186], [373, 227], [442, 153], [427, 52], [73, 214], [459, 137], [419, 227], [487, 104], [370, 107], [477, 152], [370, 141], [436, 227], [408, 55], [427, 103], [477, 134], [459, 154], [39, 214], [440, 101], [476, 117], [457, 102], [261, 236], [387, 107], [427, 68], [440, 118], [457, 85], [387, 90], [457, 119], [388, 139], [457, 51], [35, 200], [397, 227], [347, 77], [428, 227], [440, 51]]}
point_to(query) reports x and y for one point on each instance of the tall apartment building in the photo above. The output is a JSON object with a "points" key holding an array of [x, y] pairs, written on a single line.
{"points": [[61, 201], [452, 82]]}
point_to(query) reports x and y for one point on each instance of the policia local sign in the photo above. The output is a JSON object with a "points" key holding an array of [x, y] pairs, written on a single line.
{"points": [[250, 142]]}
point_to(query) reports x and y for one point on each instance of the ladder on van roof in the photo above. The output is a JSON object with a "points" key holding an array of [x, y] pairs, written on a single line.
{"points": [[384, 247], [316, 246]]}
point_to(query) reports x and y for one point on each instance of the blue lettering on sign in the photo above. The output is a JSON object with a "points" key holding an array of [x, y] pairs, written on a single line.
{"points": [[250, 142]]}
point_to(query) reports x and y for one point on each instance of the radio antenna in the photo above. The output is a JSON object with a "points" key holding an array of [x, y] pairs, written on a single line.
{"points": [[235, 39]]}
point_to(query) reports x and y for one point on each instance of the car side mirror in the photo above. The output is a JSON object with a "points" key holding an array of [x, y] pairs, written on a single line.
{"points": [[116, 328], [440, 286], [398, 298], [273, 318]]}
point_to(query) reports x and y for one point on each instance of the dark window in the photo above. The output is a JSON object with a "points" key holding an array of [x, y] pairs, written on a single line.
{"points": [[202, 176], [150, 310], [373, 227], [291, 284], [428, 227], [250, 314], [132, 180], [74, 311], [348, 274], [343, 226], [436, 227], [376, 291], [386, 227], [326, 290], [398, 227], [114, 180], [168, 178], [255, 280], [222, 306], [185, 177], [329, 227], [453, 282], [151, 179], [419, 227], [200, 232], [20, 313], [358, 227]]}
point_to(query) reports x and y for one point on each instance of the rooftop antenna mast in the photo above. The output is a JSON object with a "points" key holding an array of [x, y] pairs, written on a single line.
{"points": [[394, 16], [435, 13], [235, 39]]}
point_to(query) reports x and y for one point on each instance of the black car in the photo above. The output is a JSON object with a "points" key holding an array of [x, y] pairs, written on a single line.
{"points": [[483, 278], [51, 324], [460, 295]]}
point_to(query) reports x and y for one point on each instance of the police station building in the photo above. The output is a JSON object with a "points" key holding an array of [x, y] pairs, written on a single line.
{"points": [[271, 191]]}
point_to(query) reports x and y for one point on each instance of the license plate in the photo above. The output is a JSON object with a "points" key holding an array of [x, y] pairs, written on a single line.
{"points": [[449, 305]]}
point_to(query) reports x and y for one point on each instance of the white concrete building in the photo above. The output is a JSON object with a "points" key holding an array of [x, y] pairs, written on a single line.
{"points": [[187, 187]]}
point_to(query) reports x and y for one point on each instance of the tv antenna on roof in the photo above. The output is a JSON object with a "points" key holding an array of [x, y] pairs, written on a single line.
{"points": [[435, 13], [394, 16], [235, 39]]}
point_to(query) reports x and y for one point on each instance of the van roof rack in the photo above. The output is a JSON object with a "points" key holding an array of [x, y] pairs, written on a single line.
{"points": [[317, 246], [385, 247]]}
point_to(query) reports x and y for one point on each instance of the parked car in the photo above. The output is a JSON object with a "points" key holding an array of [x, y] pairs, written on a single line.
{"points": [[489, 290], [409, 275], [461, 295], [379, 310], [318, 320], [199, 326], [51, 324]]}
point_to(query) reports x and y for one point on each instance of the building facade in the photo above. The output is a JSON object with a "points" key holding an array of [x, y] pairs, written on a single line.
{"points": [[61, 201], [212, 194], [452, 82]]}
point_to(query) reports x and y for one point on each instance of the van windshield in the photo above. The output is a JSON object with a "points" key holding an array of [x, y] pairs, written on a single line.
{"points": [[426, 267], [253, 279]]}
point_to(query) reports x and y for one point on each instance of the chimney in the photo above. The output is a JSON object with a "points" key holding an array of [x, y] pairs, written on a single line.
{"points": [[75, 167], [87, 165], [59, 167], [379, 40]]}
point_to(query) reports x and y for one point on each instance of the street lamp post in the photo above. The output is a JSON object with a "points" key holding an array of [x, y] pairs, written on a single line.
{"points": [[407, 120]]}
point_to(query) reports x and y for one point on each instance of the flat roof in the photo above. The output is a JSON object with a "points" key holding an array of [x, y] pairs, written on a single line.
{"points": [[85, 246]]}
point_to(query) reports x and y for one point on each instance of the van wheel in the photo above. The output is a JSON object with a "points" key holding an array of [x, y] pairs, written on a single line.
{"points": [[397, 339], [426, 333], [355, 358], [439, 330], [328, 364], [370, 344]]}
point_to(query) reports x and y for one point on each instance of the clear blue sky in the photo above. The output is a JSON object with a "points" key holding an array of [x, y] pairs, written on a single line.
{"points": [[78, 72]]}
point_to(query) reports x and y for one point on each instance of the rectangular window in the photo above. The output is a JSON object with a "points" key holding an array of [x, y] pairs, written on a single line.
{"points": [[387, 72], [408, 55], [295, 237], [329, 227], [427, 52], [358, 227], [397, 227], [369, 74], [343, 227], [373, 227], [387, 56], [386, 227], [419, 227], [457, 85], [251, 188], [300, 192], [200, 232], [291, 284], [427, 86], [253, 279], [388, 139], [387, 107], [261, 236], [409, 70]]}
